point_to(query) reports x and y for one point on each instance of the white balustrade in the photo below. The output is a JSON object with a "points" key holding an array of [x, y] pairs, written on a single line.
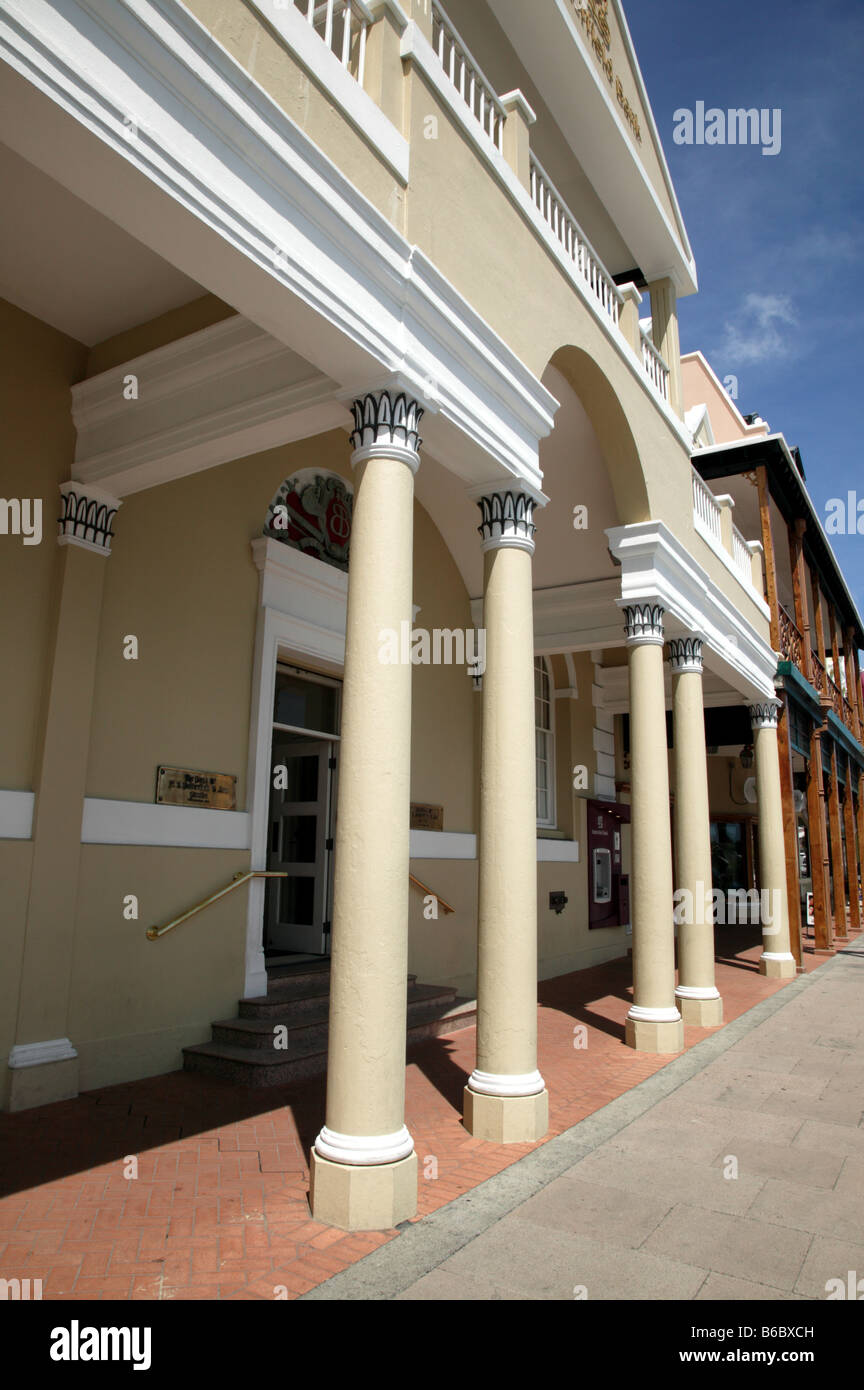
{"points": [[344, 26], [742, 557], [566, 230], [467, 77], [706, 508], [654, 366]]}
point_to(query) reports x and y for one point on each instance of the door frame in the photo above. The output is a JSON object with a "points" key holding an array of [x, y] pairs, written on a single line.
{"points": [[301, 622]]}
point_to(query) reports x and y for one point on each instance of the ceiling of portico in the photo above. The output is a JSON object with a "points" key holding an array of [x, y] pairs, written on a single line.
{"points": [[70, 266]]}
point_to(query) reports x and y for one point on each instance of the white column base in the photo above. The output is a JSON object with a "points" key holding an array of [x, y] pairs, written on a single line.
{"points": [[487, 1083], [654, 1030], [364, 1151], [700, 1005]]}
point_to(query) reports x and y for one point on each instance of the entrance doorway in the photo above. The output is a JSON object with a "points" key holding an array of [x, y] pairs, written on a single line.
{"points": [[304, 768]]}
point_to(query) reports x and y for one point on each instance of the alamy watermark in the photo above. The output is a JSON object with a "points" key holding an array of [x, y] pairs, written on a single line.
{"points": [[729, 908], [21, 516], [443, 646], [844, 516], [738, 126]]}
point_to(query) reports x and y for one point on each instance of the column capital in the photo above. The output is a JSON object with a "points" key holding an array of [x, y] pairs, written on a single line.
{"points": [[387, 423], [765, 715], [507, 519], [86, 516], [685, 654], [644, 624]]}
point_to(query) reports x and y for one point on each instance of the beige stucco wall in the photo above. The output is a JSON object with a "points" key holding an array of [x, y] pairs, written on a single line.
{"points": [[37, 367]]}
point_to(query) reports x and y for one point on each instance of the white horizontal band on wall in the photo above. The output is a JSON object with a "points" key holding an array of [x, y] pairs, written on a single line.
{"points": [[442, 844], [180, 827], [558, 851], [16, 815]]}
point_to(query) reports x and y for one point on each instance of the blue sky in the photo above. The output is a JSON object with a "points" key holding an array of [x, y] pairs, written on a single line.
{"points": [[778, 240]]}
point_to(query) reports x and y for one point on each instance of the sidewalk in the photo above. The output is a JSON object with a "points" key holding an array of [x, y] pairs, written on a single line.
{"points": [[219, 1209], [735, 1173]]}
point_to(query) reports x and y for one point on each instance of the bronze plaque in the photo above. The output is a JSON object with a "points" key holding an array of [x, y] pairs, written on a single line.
{"points": [[426, 817], [183, 786]]}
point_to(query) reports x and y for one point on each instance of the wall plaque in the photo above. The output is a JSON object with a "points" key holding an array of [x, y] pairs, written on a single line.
{"points": [[426, 817], [184, 786]]}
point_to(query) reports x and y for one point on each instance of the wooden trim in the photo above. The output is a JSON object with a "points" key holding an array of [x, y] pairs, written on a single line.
{"points": [[851, 853], [840, 925], [852, 688], [802, 617], [768, 548], [430, 894], [790, 832], [816, 819], [820, 622]]}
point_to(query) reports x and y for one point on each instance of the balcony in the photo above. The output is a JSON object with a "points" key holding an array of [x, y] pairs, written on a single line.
{"points": [[712, 518], [344, 27], [793, 649]]}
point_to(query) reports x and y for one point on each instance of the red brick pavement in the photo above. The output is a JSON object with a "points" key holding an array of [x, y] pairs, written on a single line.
{"points": [[219, 1206]]}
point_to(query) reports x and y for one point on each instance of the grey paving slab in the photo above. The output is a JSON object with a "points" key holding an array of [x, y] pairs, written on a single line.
{"points": [[562, 1266], [829, 1258], [729, 1244], [812, 1168], [676, 1179], [726, 1288], [631, 1203]]}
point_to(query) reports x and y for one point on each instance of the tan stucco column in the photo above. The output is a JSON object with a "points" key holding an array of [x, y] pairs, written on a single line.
{"points": [[653, 1022], [697, 995], [505, 1099], [777, 959], [43, 1064], [364, 1169]]}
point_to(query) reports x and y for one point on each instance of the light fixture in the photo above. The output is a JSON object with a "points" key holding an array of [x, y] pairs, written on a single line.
{"points": [[746, 755]]}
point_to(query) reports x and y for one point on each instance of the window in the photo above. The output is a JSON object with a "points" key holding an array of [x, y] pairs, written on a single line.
{"points": [[544, 742]]}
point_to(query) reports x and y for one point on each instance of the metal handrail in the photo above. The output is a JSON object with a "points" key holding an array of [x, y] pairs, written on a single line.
{"points": [[429, 892], [242, 876]]}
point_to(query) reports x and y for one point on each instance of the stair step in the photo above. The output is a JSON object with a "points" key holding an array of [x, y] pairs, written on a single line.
{"points": [[309, 1016], [258, 1066]]}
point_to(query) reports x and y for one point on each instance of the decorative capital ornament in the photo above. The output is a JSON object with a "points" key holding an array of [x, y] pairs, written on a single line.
{"points": [[388, 424], [86, 514], [685, 654], [764, 715], [644, 624], [507, 521]]}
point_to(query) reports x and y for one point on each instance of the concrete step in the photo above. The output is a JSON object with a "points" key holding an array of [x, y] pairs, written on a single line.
{"points": [[249, 1064], [303, 1016]]}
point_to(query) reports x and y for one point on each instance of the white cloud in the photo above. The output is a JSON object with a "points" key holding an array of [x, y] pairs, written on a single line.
{"points": [[761, 331]]}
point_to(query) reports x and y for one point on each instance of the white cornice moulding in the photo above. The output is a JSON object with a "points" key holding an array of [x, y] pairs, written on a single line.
{"points": [[16, 815], [656, 567], [275, 228], [40, 1053], [146, 823]]}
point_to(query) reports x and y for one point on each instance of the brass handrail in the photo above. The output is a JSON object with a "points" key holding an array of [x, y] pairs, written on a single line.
{"points": [[242, 876], [428, 891]]}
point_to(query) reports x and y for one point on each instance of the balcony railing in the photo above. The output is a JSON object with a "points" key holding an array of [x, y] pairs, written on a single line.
{"points": [[467, 77], [706, 507], [655, 368], [344, 26], [820, 675], [791, 639], [566, 230], [708, 517]]}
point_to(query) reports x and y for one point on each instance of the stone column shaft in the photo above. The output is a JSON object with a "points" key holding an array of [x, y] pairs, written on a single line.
{"points": [[654, 1022], [777, 960], [364, 1169], [697, 995], [506, 1099]]}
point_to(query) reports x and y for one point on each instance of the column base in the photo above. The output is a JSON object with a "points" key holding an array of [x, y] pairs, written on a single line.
{"points": [[644, 1035], [368, 1197], [701, 1013], [778, 967], [506, 1119]]}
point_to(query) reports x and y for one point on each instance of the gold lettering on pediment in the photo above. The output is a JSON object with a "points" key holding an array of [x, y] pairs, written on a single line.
{"points": [[593, 15]]}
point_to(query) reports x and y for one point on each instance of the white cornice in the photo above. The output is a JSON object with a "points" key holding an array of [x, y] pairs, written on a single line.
{"points": [[276, 229], [655, 566]]}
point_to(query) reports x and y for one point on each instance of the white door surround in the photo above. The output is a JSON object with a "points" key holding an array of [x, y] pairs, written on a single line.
{"points": [[301, 621]]}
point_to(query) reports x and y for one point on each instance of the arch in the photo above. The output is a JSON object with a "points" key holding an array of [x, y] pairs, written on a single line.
{"points": [[312, 512], [612, 428]]}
